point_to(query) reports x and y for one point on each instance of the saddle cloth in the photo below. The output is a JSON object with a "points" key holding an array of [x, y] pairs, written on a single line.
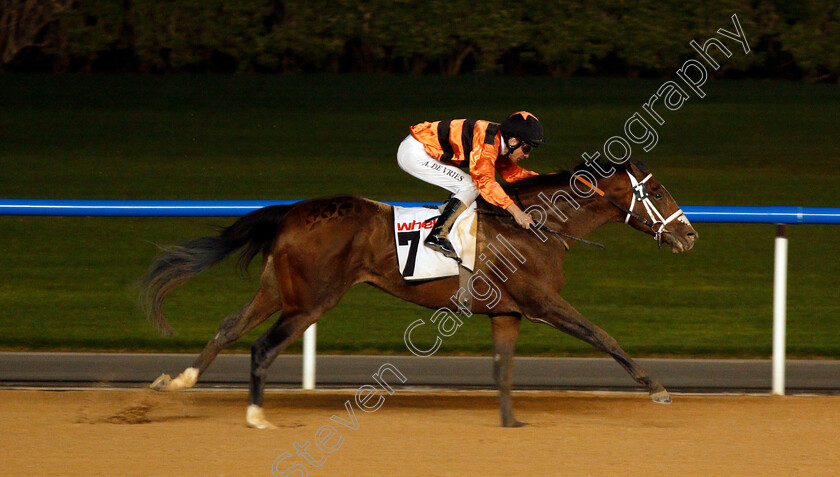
{"points": [[418, 262]]}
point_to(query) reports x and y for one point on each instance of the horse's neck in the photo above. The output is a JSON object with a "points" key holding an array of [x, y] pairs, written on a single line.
{"points": [[569, 212]]}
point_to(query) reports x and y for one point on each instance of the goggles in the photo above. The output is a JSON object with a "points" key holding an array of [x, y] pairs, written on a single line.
{"points": [[526, 148]]}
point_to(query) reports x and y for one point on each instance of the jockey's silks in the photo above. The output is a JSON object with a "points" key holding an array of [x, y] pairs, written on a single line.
{"points": [[476, 145]]}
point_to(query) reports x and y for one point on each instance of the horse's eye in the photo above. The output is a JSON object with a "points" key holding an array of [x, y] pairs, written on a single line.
{"points": [[657, 196]]}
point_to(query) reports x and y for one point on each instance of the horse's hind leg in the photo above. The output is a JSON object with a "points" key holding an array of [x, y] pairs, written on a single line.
{"points": [[505, 332], [266, 302], [304, 307], [558, 313], [288, 328]]}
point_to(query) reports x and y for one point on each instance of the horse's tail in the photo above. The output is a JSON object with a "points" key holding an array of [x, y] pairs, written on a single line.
{"points": [[255, 231]]}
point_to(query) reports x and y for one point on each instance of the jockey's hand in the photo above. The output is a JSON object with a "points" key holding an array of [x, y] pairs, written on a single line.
{"points": [[523, 219]]}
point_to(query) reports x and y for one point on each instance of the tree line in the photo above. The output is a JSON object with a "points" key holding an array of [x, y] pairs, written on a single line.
{"points": [[789, 38]]}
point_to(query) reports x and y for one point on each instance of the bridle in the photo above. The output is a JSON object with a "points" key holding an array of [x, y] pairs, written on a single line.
{"points": [[656, 221]]}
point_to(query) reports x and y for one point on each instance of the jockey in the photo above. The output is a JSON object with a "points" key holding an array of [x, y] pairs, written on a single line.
{"points": [[434, 152]]}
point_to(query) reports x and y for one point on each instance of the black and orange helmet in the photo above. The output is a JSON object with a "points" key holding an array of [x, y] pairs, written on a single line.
{"points": [[525, 127]]}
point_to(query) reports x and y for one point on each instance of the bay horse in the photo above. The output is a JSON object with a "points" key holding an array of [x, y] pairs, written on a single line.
{"points": [[315, 250]]}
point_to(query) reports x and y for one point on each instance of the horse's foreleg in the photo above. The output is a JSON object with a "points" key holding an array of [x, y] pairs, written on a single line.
{"points": [[505, 332], [264, 304], [558, 313]]}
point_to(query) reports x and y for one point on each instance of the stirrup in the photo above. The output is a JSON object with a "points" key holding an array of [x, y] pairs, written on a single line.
{"points": [[438, 237], [442, 245]]}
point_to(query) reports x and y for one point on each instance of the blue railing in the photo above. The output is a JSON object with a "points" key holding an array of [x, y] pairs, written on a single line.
{"points": [[235, 208], [763, 215]]}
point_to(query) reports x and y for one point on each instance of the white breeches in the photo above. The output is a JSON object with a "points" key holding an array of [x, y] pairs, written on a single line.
{"points": [[413, 159]]}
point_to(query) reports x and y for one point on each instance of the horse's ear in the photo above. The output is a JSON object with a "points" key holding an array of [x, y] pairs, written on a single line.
{"points": [[636, 167]]}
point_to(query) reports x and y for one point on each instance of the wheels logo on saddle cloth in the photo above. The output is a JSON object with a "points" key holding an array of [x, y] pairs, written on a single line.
{"points": [[411, 227]]}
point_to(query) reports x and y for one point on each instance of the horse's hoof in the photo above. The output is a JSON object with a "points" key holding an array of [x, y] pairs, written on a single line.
{"points": [[255, 417], [513, 423], [661, 397], [516, 423], [161, 382], [185, 380]]}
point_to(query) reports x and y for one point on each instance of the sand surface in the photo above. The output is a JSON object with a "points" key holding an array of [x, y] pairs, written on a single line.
{"points": [[143, 433]]}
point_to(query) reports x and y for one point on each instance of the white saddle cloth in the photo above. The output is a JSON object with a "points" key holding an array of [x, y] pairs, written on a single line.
{"points": [[418, 262]]}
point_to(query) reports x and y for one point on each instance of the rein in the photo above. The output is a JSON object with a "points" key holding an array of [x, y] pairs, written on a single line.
{"points": [[560, 236], [543, 228], [557, 234]]}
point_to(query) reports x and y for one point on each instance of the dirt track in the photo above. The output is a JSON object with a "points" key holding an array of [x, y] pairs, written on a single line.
{"points": [[138, 432]]}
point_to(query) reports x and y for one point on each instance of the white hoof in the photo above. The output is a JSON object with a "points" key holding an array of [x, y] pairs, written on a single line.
{"points": [[255, 417], [161, 382], [185, 380], [662, 397]]}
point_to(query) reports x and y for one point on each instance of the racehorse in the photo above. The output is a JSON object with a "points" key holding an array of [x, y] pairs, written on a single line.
{"points": [[315, 250]]}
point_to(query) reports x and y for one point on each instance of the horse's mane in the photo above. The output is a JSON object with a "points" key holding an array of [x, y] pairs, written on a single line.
{"points": [[558, 178], [561, 177]]}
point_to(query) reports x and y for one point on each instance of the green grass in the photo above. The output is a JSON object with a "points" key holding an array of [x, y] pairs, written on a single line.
{"points": [[67, 283]]}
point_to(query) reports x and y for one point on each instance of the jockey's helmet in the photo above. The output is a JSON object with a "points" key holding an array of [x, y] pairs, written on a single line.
{"points": [[525, 127]]}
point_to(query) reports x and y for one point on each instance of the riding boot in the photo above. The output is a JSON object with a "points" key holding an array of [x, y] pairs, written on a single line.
{"points": [[438, 237]]}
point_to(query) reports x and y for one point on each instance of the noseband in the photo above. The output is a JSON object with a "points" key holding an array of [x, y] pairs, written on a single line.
{"points": [[640, 194]]}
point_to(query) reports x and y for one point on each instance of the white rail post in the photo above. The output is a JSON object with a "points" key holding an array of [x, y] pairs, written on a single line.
{"points": [[779, 309], [309, 357]]}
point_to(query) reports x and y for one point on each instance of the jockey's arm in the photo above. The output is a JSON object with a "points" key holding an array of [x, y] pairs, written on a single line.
{"points": [[483, 171]]}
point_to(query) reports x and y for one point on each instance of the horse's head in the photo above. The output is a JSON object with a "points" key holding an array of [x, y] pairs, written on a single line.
{"points": [[630, 194], [652, 209]]}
